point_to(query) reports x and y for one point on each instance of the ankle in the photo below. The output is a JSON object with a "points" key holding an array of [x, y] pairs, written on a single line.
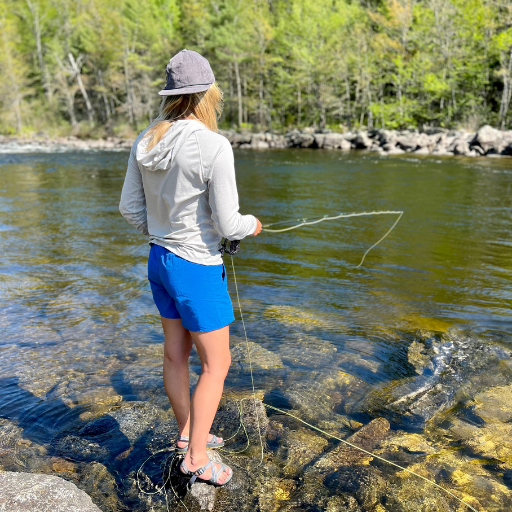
{"points": [[196, 459]]}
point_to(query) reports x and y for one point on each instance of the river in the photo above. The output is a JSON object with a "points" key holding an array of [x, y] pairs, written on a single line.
{"points": [[80, 334]]}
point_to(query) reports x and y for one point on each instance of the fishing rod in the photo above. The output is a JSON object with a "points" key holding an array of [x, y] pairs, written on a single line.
{"points": [[231, 247]]}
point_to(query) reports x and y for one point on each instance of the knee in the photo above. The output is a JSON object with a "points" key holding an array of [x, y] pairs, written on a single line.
{"points": [[219, 370], [177, 355]]}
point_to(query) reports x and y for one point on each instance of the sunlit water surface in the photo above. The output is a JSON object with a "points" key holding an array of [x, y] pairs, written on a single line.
{"points": [[79, 330]]}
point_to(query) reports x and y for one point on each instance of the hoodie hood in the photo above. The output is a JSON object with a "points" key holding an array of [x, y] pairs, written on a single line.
{"points": [[162, 155]]}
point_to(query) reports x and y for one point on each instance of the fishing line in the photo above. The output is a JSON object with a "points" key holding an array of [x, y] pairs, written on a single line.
{"points": [[309, 424], [167, 478], [306, 222]]}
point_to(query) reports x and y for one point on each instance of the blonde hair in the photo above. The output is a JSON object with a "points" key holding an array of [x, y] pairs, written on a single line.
{"points": [[205, 106]]}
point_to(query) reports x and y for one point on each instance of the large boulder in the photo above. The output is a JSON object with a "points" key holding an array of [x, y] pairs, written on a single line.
{"points": [[489, 139], [409, 141], [362, 141], [31, 492], [332, 141]]}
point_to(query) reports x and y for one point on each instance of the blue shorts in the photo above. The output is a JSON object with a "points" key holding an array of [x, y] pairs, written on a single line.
{"points": [[198, 294]]}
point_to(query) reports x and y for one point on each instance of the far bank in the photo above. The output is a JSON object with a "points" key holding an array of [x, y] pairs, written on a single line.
{"points": [[487, 141]]}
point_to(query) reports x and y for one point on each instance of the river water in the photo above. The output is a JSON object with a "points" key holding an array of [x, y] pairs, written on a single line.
{"points": [[80, 333]]}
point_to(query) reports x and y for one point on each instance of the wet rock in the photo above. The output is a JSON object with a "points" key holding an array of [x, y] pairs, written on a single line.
{"points": [[260, 357], [395, 151], [485, 424], [494, 405], [468, 480], [368, 438], [456, 361], [110, 435], [308, 351], [273, 492], [29, 492], [298, 448], [342, 504], [298, 317], [246, 420], [365, 483], [317, 398]]}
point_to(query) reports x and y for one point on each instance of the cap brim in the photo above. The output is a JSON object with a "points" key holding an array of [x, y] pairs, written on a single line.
{"points": [[185, 90]]}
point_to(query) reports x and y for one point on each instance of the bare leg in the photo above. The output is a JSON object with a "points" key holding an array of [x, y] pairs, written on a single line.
{"points": [[177, 347], [213, 349]]}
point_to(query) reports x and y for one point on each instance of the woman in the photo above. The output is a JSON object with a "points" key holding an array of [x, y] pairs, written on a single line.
{"points": [[180, 190]]}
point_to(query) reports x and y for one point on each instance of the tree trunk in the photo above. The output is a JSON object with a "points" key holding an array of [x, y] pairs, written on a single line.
{"points": [[238, 91], [70, 100], [298, 106], [261, 109], [36, 30], [128, 87], [349, 107], [77, 71], [104, 96], [245, 109], [507, 91]]}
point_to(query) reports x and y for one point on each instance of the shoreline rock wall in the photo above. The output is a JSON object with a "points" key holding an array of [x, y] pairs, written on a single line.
{"points": [[487, 141]]}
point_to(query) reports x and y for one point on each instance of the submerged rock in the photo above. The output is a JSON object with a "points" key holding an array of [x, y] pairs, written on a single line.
{"points": [[308, 351], [298, 448], [29, 492], [367, 438], [298, 317], [317, 398], [444, 365]]}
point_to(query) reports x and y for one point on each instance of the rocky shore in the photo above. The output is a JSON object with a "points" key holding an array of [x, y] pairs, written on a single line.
{"points": [[448, 421], [487, 141]]}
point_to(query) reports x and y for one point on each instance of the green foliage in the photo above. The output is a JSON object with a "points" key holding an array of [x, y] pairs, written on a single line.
{"points": [[94, 67]]}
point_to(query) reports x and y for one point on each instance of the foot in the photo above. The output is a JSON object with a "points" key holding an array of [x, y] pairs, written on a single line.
{"points": [[194, 466], [184, 444]]}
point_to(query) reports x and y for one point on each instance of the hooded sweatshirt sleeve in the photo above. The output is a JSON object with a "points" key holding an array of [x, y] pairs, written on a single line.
{"points": [[223, 196], [133, 201]]}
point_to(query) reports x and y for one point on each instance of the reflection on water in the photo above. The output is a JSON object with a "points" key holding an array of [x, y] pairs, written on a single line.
{"points": [[81, 336]]}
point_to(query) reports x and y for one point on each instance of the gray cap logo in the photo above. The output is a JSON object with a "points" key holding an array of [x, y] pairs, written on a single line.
{"points": [[187, 72]]}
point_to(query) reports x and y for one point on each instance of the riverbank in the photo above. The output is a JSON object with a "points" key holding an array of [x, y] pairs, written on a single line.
{"points": [[487, 141]]}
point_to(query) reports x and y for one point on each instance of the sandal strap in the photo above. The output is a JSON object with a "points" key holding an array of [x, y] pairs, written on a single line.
{"points": [[198, 472], [185, 469], [216, 474], [183, 438]]}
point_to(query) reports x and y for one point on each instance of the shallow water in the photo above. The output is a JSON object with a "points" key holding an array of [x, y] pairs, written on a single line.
{"points": [[80, 333]]}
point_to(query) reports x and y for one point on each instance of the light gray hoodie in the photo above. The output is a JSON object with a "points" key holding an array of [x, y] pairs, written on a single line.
{"points": [[182, 193]]}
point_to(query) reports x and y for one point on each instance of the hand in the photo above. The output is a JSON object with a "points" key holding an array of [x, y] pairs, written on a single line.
{"points": [[259, 227]]}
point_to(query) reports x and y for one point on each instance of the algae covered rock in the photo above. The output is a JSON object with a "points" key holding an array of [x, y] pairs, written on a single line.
{"points": [[367, 438], [260, 357], [365, 483], [323, 395], [300, 349], [298, 448], [305, 319]]}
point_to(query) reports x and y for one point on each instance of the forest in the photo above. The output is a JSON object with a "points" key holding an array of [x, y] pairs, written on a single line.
{"points": [[93, 68]]}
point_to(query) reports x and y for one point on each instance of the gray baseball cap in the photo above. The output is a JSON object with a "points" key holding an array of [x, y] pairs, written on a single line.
{"points": [[187, 72]]}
